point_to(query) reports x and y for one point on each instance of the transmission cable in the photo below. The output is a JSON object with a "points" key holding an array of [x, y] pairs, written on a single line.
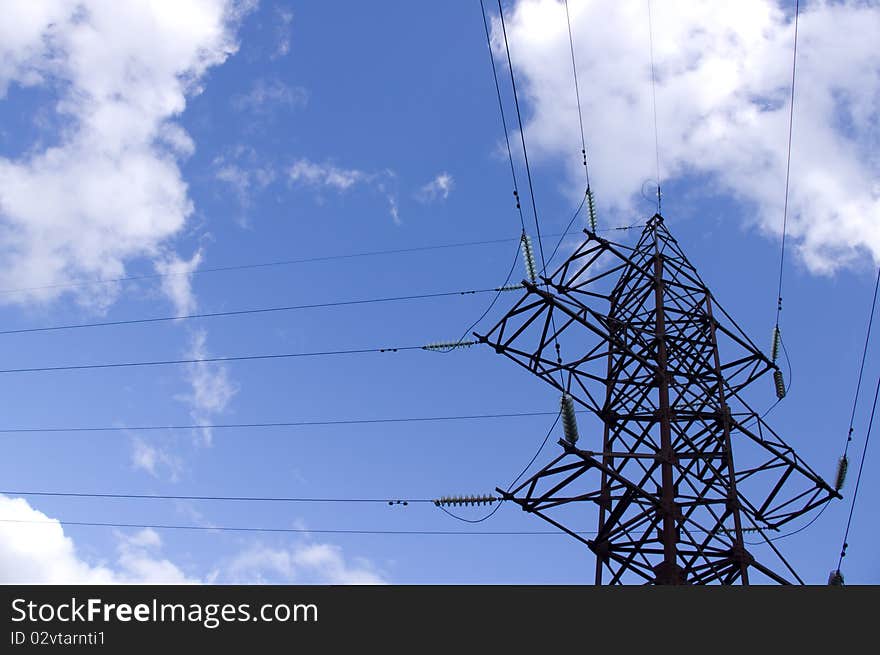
{"points": [[274, 424], [787, 166], [843, 463], [257, 310], [228, 528], [522, 134], [209, 360], [654, 101], [269, 499], [503, 119], [258, 265], [511, 485]]}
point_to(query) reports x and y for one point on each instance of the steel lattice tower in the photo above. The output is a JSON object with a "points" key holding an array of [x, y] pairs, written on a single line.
{"points": [[647, 350]]}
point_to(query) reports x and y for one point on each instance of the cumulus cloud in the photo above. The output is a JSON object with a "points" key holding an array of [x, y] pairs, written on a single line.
{"points": [[439, 187], [723, 80], [110, 189], [305, 563], [35, 550]]}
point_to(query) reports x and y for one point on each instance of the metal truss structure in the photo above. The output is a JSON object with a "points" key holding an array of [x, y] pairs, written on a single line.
{"points": [[650, 353]]}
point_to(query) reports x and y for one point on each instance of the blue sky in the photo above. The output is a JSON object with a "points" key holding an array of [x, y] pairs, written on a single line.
{"points": [[138, 140]]}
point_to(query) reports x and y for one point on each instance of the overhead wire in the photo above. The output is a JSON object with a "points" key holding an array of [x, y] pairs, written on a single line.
{"points": [[498, 291], [256, 310], [855, 401], [522, 135], [273, 424], [207, 360], [228, 528], [522, 221], [264, 499], [511, 485], [787, 165], [849, 435], [259, 265], [654, 100]]}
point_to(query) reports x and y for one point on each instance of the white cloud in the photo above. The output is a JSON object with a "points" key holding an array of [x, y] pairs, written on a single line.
{"points": [[314, 174], [329, 176], [177, 280], [283, 31], [153, 459], [35, 550], [439, 187], [110, 189], [305, 563], [723, 79], [244, 172], [394, 210], [266, 95], [211, 387]]}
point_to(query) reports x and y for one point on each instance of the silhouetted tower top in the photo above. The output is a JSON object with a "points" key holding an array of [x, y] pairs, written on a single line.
{"points": [[678, 465]]}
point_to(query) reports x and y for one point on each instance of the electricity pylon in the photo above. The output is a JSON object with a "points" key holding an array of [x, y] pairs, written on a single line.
{"points": [[634, 336]]}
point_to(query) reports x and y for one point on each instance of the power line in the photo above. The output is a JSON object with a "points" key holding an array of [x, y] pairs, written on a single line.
{"points": [[257, 310], [852, 507], [498, 292], [577, 94], [503, 118], [269, 264], [522, 135], [852, 416], [277, 424], [510, 486], [227, 528], [256, 265], [654, 98], [851, 420], [855, 497], [208, 360], [787, 165], [269, 499]]}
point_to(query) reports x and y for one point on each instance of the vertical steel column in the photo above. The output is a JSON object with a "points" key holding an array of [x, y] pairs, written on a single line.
{"points": [[668, 571]]}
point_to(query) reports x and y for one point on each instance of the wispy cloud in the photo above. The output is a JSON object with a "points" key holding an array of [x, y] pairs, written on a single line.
{"points": [[439, 187], [325, 175], [154, 459], [283, 32], [177, 280], [314, 174], [267, 95], [211, 388]]}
